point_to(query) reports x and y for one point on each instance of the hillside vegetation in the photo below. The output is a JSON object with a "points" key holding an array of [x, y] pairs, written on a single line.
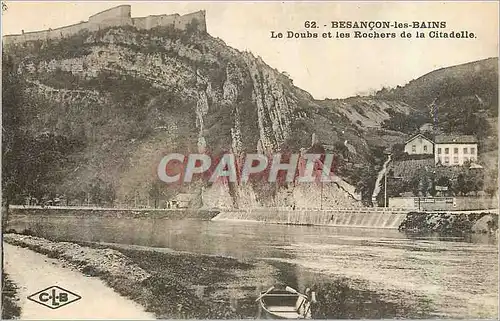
{"points": [[103, 107], [460, 99]]}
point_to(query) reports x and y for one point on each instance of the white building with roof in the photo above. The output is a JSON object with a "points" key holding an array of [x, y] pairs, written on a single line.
{"points": [[455, 150], [418, 145]]}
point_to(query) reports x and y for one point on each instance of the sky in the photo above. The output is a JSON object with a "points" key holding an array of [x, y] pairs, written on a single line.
{"points": [[327, 68]]}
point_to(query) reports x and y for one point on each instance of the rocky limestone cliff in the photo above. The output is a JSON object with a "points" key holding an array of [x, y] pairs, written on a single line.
{"points": [[133, 95]]}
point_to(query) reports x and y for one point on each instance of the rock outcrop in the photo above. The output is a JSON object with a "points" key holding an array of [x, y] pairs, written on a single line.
{"points": [[133, 95], [450, 223]]}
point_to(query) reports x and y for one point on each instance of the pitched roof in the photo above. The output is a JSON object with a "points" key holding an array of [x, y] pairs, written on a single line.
{"points": [[416, 136], [455, 139]]}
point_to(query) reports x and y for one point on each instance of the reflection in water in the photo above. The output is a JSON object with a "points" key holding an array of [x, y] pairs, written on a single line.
{"points": [[358, 273]]}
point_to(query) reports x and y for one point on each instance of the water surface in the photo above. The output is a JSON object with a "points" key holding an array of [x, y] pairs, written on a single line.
{"points": [[448, 277]]}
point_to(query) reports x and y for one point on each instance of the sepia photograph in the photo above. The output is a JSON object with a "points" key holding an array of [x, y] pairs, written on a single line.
{"points": [[249, 160]]}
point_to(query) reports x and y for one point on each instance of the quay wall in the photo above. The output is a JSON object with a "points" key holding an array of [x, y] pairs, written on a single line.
{"points": [[174, 214], [450, 222], [369, 218], [459, 203]]}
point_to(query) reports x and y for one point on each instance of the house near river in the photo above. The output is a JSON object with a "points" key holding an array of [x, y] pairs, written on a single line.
{"points": [[448, 150]]}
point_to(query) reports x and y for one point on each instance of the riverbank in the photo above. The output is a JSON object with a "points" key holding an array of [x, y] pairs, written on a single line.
{"points": [[164, 283], [180, 284], [450, 223], [32, 272]]}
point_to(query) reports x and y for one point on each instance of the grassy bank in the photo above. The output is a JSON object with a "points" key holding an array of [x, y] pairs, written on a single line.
{"points": [[10, 309], [165, 283], [197, 285]]}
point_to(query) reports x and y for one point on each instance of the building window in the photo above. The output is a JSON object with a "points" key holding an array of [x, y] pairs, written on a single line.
{"points": [[413, 148], [466, 150], [472, 150], [455, 150], [425, 148], [447, 150], [466, 159], [455, 159], [446, 160], [439, 150]]}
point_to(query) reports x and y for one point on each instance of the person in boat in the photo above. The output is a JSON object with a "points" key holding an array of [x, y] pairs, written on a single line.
{"points": [[303, 303]]}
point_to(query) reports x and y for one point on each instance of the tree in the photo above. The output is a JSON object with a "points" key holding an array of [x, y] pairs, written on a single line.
{"points": [[432, 189], [405, 123], [443, 181], [100, 192], [398, 150], [424, 185], [491, 181], [468, 180], [366, 184], [43, 157], [475, 179], [414, 185], [491, 189], [460, 186], [395, 187], [32, 163], [155, 192], [13, 136]]}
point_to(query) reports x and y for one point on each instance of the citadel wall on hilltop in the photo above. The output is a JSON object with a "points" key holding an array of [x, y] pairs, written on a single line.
{"points": [[117, 16]]}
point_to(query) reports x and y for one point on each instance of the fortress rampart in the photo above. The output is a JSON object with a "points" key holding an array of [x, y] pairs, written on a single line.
{"points": [[114, 17]]}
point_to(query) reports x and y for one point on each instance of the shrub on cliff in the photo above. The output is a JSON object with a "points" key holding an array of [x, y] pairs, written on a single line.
{"points": [[405, 123]]}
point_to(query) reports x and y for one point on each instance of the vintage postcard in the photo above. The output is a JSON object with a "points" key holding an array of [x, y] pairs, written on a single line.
{"points": [[241, 160]]}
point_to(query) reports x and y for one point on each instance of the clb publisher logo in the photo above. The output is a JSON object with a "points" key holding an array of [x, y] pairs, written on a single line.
{"points": [[54, 297]]}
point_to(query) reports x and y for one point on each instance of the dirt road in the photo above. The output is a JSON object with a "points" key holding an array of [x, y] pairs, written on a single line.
{"points": [[32, 272]]}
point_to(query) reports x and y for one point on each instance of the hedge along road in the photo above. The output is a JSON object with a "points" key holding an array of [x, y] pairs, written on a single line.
{"points": [[32, 272]]}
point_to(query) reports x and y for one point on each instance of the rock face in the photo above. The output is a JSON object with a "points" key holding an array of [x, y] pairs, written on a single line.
{"points": [[450, 224], [486, 224], [133, 95]]}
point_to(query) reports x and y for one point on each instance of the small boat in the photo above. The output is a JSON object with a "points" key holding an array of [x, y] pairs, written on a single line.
{"points": [[286, 303]]}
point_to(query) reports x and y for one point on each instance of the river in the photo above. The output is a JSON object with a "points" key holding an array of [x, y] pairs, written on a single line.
{"points": [[440, 277]]}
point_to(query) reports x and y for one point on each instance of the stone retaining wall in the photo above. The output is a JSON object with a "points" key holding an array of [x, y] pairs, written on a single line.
{"points": [[174, 214]]}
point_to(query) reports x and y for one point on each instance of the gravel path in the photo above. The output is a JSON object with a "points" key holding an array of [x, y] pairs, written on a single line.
{"points": [[32, 272]]}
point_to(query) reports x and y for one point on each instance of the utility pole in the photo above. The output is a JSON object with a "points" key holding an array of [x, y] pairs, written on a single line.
{"points": [[385, 189], [321, 198], [385, 181]]}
